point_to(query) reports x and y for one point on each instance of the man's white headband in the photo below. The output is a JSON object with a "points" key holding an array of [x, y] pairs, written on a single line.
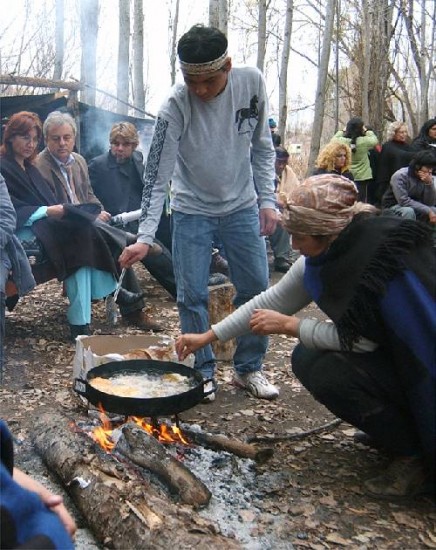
{"points": [[207, 67]]}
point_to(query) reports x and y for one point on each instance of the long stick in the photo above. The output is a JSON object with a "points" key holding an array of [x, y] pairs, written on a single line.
{"points": [[300, 435]]}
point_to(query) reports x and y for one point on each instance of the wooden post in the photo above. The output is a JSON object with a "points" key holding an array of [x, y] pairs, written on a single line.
{"points": [[221, 305]]}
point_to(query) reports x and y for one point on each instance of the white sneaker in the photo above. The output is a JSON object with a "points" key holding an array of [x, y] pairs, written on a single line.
{"points": [[256, 383], [211, 396]]}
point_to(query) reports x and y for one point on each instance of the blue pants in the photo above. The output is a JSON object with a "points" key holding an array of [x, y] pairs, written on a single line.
{"points": [[193, 236]]}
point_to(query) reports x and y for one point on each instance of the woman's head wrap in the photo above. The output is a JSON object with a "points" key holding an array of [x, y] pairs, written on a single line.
{"points": [[322, 205]]}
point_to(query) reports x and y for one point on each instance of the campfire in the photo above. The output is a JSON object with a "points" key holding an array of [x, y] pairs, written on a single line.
{"points": [[104, 434]]}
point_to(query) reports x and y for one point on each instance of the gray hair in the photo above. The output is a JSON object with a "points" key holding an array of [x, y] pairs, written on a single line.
{"points": [[394, 127], [57, 118]]}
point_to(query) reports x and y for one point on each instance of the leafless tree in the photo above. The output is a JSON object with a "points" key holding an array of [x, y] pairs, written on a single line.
{"points": [[283, 77], [218, 14], [261, 35], [138, 55], [123, 55], [59, 40], [321, 82], [89, 10], [173, 25]]}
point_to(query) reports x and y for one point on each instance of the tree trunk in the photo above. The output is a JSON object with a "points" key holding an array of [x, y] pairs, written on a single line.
{"points": [[145, 451], [218, 14], [283, 78], [366, 33], [122, 510], [138, 55], [261, 36], [59, 40], [321, 84], [123, 56], [88, 38], [174, 23]]}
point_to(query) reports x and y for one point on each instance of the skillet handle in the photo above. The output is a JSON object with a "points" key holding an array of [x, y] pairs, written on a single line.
{"points": [[81, 386], [214, 386]]}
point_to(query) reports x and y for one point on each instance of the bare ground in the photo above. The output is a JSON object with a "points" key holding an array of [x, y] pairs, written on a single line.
{"points": [[309, 494]]}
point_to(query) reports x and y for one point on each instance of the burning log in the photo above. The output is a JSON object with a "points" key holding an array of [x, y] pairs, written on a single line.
{"points": [[122, 510], [218, 442], [145, 451]]}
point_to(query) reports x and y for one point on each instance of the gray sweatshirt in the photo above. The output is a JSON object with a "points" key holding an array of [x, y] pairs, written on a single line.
{"points": [[288, 296], [211, 151]]}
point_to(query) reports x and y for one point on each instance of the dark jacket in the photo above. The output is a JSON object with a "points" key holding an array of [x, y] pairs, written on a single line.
{"points": [[118, 186], [393, 156], [346, 174], [69, 242]]}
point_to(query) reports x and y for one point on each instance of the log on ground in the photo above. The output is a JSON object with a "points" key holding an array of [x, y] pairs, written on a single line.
{"points": [[121, 509], [145, 451]]}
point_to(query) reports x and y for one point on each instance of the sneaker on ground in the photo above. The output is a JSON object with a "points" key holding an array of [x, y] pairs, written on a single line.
{"points": [[211, 396], [256, 384], [405, 477]]}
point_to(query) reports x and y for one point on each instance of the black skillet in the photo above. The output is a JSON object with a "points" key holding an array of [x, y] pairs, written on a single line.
{"points": [[150, 407]]}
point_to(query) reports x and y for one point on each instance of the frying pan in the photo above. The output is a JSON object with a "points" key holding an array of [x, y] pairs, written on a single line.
{"points": [[150, 407]]}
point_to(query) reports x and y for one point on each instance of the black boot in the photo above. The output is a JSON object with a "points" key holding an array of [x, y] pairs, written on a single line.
{"points": [[127, 298]]}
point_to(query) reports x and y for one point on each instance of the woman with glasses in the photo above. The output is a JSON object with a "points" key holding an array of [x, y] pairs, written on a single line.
{"points": [[334, 158], [412, 192]]}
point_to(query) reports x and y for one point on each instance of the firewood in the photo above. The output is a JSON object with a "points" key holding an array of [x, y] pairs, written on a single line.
{"points": [[122, 510], [145, 451], [219, 442]]}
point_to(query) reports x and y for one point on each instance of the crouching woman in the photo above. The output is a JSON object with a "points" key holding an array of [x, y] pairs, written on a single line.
{"points": [[372, 363]]}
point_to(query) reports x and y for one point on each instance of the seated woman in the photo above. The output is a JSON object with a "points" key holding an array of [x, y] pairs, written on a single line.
{"points": [[77, 252], [14, 264], [373, 365], [334, 158]]}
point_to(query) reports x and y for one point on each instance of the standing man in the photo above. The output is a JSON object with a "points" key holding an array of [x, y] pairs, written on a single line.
{"points": [[67, 172], [211, 138], [117, 178]]}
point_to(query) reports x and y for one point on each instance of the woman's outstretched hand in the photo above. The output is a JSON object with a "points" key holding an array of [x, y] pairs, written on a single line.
{"points": [[188, 343], [267, 321]]}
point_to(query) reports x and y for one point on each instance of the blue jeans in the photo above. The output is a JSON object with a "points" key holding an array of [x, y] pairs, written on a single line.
{"points": [[245, 250]]}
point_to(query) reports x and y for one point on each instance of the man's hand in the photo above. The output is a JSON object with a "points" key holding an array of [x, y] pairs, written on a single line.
{"points": [[266, 321], [133, 253], [268, 221], [188, 343], [104, 216], [55, 211], [432, 216]]}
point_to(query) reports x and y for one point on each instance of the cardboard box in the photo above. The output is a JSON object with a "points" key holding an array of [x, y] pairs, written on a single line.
{"points": [[92, 351]]}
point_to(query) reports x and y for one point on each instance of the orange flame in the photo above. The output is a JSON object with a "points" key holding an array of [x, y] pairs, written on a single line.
{"points": [[163, 433]]}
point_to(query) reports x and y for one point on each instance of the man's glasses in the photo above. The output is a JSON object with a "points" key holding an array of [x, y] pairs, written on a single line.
{"points": [[425, 171]]}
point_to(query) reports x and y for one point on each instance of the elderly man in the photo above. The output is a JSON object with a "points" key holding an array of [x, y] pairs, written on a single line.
{"points": [[117, 178], [68, 174], [211, 137]]}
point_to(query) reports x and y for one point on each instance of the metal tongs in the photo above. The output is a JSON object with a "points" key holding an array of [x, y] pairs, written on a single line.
{"points": [[111, 302]]}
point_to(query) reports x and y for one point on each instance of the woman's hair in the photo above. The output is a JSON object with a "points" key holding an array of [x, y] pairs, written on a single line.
{"points": [[57, 118], [20, 124], [201, 44], [423, 133], [125, 131], [393, 129], [423, 158], [353, 130], [327, 156]]}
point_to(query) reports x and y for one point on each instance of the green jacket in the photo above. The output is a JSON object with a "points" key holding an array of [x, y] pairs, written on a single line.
{"points": [[360, 167]]}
